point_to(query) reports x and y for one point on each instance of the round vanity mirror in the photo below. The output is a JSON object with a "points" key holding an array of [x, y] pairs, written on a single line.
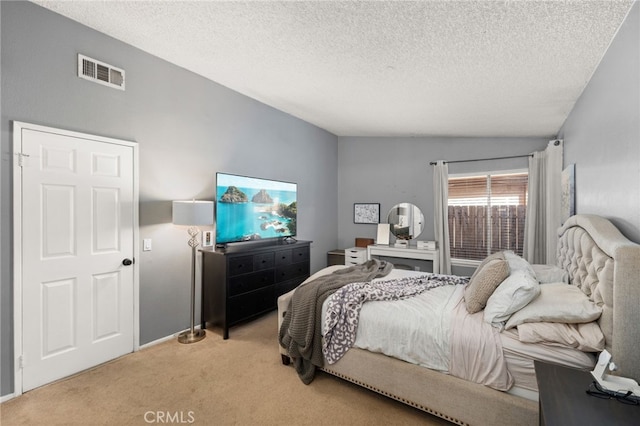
{"points": [[406, 221]]}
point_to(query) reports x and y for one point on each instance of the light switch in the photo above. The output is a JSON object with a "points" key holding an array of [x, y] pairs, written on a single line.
{"points": [[146, 244]]}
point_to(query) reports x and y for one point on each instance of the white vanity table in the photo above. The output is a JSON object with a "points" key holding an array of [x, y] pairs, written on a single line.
{"points": [[405, 222], [405, 253]]}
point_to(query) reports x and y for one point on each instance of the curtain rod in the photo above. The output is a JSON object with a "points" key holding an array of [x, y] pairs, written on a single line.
{"points": [[433, 163]]}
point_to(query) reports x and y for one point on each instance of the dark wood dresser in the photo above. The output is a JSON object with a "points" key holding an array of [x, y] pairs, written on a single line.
{"points": [[243, 281]]}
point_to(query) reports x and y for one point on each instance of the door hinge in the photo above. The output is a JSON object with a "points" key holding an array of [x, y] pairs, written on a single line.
{"points": [[21, 157], [21, 362]]}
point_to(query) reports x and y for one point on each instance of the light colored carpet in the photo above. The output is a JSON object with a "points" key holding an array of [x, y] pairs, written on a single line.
{"points": [[240, 381]]}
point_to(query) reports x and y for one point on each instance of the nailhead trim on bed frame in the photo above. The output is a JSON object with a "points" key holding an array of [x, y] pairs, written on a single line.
{"points": [[404, 401]]}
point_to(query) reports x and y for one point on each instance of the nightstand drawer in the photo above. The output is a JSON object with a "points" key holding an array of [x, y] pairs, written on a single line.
{"points": [[355, 255]]}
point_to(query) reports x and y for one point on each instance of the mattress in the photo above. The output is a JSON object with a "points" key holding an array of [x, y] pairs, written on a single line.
{"points": [[520, 357]]}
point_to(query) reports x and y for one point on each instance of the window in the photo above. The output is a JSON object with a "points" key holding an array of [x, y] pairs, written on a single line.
{"points": [[486, 214]]}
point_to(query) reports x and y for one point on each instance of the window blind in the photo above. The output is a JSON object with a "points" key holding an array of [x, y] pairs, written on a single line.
{"points": [[486, 214]]}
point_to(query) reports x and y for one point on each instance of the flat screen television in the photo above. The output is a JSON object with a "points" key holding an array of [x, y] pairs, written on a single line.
{"points": [[249, 208]]}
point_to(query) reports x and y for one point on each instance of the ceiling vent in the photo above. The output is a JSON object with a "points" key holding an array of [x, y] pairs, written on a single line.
{"points": [[99, 72]]}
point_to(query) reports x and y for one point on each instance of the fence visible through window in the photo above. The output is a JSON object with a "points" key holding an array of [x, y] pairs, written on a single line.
{"points": [[486, 214], [468, 233]]}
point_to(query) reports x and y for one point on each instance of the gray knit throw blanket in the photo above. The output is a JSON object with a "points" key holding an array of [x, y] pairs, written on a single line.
{"points": [[300, 333]]}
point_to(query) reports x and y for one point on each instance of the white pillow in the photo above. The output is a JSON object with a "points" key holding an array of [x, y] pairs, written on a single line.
{"points": [[586, 337], [550, 274], [515, 292], [517, 263], [558, 302]]}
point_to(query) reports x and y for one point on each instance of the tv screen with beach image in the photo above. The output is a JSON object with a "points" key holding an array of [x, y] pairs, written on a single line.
{"points": [[249, 208]]}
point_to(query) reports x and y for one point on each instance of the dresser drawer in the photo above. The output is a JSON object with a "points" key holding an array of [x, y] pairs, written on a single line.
{"points": [[240, 265], [251, 304], [249, 282], [284, 273], [300, 254], [287, 286], [295, 255], [283, 257], [263, 261]]}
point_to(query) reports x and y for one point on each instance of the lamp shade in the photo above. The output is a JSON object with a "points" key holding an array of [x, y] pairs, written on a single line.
{"points": [[193, 213]]}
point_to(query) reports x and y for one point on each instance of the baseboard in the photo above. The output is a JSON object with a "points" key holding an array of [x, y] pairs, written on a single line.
{"points": [[165, 339], [5, 398]]}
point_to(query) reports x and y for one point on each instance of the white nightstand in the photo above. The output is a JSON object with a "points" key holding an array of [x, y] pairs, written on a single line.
{"points": [[355, 255]]}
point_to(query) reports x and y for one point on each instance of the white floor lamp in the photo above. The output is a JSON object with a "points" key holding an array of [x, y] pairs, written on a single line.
{"points": [[192, 214]]}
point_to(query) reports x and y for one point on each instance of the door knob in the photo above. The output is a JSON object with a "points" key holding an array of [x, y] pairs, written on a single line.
{"points": [[127, 262]]}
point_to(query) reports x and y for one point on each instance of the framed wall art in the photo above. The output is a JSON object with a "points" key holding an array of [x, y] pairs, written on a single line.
{"points": [[366, 213]]}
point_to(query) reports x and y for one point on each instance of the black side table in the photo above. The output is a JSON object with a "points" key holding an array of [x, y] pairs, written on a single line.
{"points": [[564, 401]]}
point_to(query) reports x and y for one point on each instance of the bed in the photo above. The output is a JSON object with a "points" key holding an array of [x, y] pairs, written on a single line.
{"points": [[593, 256]]}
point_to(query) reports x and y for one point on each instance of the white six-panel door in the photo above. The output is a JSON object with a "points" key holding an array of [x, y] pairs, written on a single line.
{"points": [[77, 237]]}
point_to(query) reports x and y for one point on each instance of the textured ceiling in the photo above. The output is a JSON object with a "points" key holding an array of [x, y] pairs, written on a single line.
{"points": [[381, 68]]}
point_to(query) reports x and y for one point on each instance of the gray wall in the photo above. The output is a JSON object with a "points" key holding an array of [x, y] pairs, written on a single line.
{"points": [[187, 128], [394, 170], [602, 134]]}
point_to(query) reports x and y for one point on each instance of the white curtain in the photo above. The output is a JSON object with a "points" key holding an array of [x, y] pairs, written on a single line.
{"points": [[535, 250], [441, 214], [544, 215]]}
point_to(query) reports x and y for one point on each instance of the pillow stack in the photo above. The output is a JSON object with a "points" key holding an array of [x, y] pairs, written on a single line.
{"points": [[555, 313], [557, 302]]}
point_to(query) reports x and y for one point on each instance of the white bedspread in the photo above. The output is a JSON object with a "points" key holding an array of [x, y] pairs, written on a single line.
{"points": [[415, 330], [419, 330]]}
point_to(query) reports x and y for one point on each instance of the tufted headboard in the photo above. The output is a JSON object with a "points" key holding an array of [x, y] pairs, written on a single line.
{"points": [[606, 266]]}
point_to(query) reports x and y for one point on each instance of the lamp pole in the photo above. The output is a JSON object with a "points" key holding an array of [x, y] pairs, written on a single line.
{"points": [[192, 335]]}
